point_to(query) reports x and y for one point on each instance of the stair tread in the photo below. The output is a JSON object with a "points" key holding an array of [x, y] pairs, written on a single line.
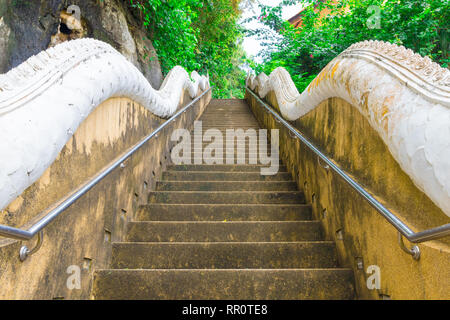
{"points": [[214, 212], [227, 192], [226, 222], [219, 171], [241, 284], [208, 243], [267, 205], [228, 270], [225, 181], [224, 255], [215, 166], [224, 176], [226, 197]]}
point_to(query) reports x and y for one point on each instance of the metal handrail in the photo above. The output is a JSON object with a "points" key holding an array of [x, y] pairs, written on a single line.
{"points": [[403, 229], [20, 234]]}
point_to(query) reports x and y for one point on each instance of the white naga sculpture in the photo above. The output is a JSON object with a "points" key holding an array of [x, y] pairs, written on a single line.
{"points": [[405, 98], [44, 100]]}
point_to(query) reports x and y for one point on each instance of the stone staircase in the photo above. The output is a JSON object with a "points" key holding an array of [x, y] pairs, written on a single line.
{"points": [[224, 232]]}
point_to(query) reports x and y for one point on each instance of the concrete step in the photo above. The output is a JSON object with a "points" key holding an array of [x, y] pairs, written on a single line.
{"points": [[225, 120], [225, 186], [231, 231], [238, 284], [222, 167], [225, 149], [242, 118], [212, 159], [209, 120], [236, 114], [224, 143], [227, 123], [223, 255], [245, 152], [223, 130], [223, 160], [224, 127], [227, 197], [223, 176], [233, 125], [212, 117], [221, 212]]}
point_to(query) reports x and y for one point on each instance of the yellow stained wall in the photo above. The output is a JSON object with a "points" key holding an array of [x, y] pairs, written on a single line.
{"points": [[82, 235], [345, 135]]}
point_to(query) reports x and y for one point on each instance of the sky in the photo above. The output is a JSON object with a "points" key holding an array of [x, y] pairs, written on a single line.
{"points": [[251, 44]]}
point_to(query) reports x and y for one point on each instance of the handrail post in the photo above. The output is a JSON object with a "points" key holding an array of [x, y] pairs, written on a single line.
{"points": [[24, 252], [414, 251]]}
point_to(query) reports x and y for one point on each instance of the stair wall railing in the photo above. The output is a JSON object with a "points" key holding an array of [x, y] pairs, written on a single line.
{"points": [[402, 228], [37, 228]]}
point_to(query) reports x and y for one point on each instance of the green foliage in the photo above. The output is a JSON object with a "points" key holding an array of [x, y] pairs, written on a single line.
{"points": [[201, 35], [169, 24], [421, 25], [20, 3]]}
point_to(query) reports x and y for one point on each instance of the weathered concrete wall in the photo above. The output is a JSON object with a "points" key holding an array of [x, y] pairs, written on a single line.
{"points": [[346, 136], [29, 27], [82, 235]]}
